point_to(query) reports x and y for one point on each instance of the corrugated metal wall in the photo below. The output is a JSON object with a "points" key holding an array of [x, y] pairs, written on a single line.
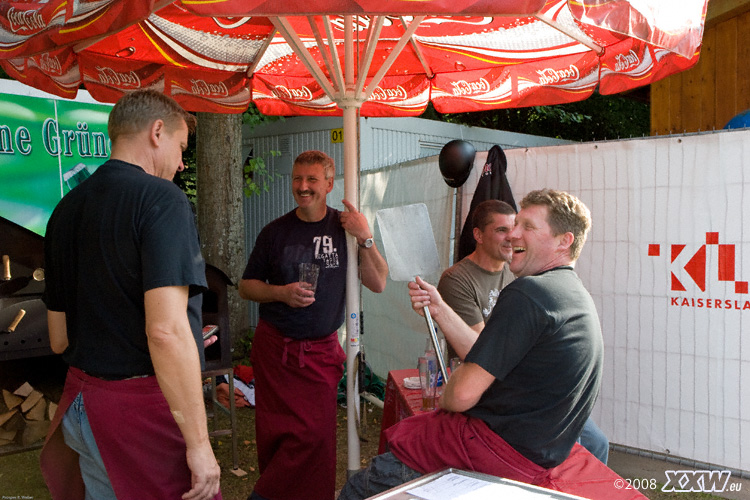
{"points": [[388, 141]]}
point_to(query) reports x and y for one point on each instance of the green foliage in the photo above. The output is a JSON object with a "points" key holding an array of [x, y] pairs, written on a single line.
{"points": [[256, 174], [254, 117], [186, 179], [242, 351], [596, 118], [255, 170]]}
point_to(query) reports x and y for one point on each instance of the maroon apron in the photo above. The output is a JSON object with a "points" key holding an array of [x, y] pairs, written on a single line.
{"points": [[296, 384], [139, 441], [433, 441]]}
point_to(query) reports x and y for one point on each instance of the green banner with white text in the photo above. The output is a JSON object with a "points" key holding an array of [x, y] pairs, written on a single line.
{"points": [[47, 147]]}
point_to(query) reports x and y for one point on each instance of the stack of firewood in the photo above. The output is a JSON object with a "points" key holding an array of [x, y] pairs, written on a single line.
{"points": [[25, 416]]}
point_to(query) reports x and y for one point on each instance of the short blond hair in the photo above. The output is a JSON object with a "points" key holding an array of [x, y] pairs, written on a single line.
{"points": [[137, 110], [314, 157], [567, 214]]}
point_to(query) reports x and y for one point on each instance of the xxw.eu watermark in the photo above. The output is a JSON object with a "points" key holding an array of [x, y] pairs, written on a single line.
{"points": [[701, 481], [705, 481]]}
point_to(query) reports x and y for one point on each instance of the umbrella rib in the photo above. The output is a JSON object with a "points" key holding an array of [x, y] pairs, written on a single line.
{"points": [[418, 51], [326, 54], [392, 56], [266, 43], [370, 44], [298, 47], [348, 54], [559, 27], [336, 72]]}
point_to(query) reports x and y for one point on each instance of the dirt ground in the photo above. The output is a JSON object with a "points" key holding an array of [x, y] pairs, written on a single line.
{"points": [[20, 477], [238, 488]]}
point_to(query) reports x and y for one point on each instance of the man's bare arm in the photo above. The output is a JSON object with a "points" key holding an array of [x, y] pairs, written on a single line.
{"points": [[460, 335], [58, 331], [174, 355], [373, 267], [291, 294], [465, 387]]}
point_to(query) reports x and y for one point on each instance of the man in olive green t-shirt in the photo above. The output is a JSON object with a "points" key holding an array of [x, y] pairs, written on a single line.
{"points": [[471, 286]]}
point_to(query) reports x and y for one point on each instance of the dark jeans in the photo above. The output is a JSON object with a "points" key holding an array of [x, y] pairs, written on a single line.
{"points": [[384, 472]]}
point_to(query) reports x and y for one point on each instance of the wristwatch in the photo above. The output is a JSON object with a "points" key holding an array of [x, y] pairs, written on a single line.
{"points": [[367, 243]]}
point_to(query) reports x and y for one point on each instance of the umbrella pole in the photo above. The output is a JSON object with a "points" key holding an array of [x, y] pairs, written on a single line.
{"points": [[351, 193]]}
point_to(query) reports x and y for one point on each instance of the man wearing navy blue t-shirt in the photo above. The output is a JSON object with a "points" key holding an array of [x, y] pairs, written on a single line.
{"points": [[296, 355]]}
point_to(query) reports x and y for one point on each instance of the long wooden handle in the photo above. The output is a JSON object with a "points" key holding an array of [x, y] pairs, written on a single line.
{"points": [[6, 267], [16, 320]]}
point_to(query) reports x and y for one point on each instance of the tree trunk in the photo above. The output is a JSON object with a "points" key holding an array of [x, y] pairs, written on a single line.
{"points": [[219, 192]]}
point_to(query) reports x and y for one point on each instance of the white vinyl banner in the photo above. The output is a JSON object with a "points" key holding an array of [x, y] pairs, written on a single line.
{"points": [[668, 264]]}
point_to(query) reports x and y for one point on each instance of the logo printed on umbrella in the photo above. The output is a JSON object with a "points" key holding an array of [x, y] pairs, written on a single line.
{"points": [[202, 87], [388, 94], [462, 87], [300, 94], [25, 20], [549, 75], [109, 76], [624, 62], [50, 65]]}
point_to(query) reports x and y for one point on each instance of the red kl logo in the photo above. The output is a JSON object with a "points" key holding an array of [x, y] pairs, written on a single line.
{"points": [[696, 266]]}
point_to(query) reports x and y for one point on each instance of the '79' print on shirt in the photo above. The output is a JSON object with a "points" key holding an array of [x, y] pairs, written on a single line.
{"points": [[325, 251]]}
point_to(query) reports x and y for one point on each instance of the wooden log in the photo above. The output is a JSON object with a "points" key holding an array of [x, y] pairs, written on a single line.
{"points": [[24, 390], [31, 400], [51, 410], [15, 422], [34, 431], [38, 411], [7, 416], [7, 435], [11, 400]]}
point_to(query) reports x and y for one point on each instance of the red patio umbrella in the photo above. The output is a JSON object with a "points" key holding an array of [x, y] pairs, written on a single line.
{"points": [[344, 57], [514, 54]]}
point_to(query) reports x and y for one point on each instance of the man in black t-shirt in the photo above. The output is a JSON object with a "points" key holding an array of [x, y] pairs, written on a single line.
{"points": [[517, 404], [124, 274], [296, 354], [471, 287]]}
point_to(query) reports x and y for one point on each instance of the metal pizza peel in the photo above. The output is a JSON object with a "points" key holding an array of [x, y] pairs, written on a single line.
{"points": [[410, 251]]}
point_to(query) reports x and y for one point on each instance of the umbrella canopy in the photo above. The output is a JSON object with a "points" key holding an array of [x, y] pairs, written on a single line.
{"points": [[404, 54], [344, 57]]}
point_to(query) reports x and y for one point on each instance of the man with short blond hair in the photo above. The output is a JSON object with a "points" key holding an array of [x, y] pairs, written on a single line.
{"points": [[296, 354], [124, 277], [529, 380]]}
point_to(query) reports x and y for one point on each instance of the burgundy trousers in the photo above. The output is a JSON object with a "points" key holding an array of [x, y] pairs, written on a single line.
{"points": [[295, 414]]}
